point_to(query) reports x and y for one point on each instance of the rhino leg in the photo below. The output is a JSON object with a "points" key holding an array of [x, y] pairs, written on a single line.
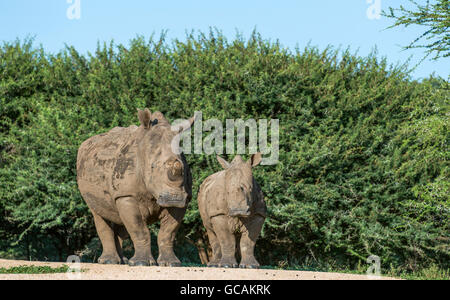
{"points": [[170, 222], [227, 241], [252, 228], [120, 235], [107, 237], [137, 228], [215, 245]]}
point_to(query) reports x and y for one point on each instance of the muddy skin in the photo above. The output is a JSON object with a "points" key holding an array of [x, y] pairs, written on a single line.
{"points": [[130, 178], [231, 203]]}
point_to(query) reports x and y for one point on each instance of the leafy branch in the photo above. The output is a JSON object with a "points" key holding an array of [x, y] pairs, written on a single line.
{"points": [[435, 17]]}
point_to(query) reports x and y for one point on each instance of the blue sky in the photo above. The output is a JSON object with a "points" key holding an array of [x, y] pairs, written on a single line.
{"points": [[293, 22]]}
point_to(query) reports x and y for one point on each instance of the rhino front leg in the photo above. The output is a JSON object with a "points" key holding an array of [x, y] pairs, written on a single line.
{"points": [[252, 229], [107, 237], [227, 241], [216, 251], [170, 222], [137, 228]]}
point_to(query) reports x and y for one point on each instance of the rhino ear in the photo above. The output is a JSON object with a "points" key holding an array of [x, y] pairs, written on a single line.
{"points": [[145, 117], [255, 159], [223, 162], [183, 126]]}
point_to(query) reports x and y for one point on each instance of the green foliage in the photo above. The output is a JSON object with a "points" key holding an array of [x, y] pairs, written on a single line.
{"points": [[435, 17], [34, 270], [363, 148], [431, 273]]}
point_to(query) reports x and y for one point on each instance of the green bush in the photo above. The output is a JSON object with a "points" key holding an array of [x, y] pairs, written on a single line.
{"points": [[363, 148], [34, 270]]}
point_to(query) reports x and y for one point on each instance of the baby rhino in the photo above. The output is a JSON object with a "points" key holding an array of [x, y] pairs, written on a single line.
{"points": [[230, 203]]}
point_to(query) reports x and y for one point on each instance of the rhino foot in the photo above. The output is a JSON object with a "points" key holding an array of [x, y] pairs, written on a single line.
{"points": [[137, 262], [169, 262], [228, 264], [249, 264], [213, 264], [124, 261], [109, 260]]}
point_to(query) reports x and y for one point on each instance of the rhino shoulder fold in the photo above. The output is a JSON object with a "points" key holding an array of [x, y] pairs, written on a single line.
{"points": [[212, 192]]}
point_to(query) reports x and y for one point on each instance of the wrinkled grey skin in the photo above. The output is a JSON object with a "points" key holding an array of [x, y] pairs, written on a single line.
{"points": [[231, 202], [129, 178]]}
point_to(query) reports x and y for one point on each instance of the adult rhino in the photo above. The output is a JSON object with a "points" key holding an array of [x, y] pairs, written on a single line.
{"points": [[129, 178]]}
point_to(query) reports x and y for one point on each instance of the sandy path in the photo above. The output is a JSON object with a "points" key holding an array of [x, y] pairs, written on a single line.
{"points": [[97, 271]]}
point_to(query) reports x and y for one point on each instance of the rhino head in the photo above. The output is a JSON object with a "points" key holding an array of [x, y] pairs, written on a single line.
{"points": [[239, 184], [164, 173]]}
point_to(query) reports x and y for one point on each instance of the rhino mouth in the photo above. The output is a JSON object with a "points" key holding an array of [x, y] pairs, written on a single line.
{"points": [[171, 200], [239, 212]]}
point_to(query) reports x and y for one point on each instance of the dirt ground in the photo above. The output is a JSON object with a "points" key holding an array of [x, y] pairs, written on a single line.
{"points": [[124, 272]]}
